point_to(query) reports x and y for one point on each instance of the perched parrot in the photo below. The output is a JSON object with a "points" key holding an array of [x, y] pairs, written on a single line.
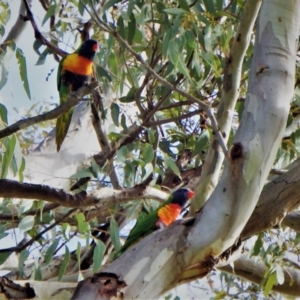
{"points": [[74, 70], [167, 213]]}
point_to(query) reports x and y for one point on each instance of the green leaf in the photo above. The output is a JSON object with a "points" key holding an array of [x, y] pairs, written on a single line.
{"points": [[173, 52], [50, 251], [25, 206], [184, 5], [83, 226], [36, 46], [4, 12], [82, 174], [78, 253], [120, 26], [257, 246], [122, 154], [3, 113], [23, 70], [171, 164], [175, 11], [130, 96], [114, 234], [131, 28], [66, 228], [270, 283], [201, 142], [22, 258], [182, 67], [165, 44], [64, 265], [42, 58], [98, 255], [115, 113], [101, 72], [2, 31], [81, 7], [109, 4], [5, 58], [4, 256], [9, 144], [123, 122], [95, 168], [26, 223], [151, 135], [21, 170], [52, 10], [209, 4], [80, 218], [147, 153], [38, 274]]}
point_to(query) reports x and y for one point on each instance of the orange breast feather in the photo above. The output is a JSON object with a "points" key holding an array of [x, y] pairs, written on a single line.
{"points": [[77, 64], [169, 213]]}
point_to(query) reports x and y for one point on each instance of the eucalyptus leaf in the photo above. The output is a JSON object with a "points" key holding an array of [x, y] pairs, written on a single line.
{"points": [[114, 234], [64, 265], [26, 223], [98, 255], [23, 70]]}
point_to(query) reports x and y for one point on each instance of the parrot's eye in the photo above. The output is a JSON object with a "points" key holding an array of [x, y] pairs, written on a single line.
{"points": [[95, 47]]}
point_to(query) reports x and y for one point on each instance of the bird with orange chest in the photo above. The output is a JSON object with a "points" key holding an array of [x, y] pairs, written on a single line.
{"points": [[74, 71], [166, 214]]}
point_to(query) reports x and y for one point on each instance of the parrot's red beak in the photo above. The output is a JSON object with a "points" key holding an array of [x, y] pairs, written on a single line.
{"points": [[96, 47], [190, 194]]}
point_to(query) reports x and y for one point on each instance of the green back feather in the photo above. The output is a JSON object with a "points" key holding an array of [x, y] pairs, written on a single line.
{"points": [[143, 227]]}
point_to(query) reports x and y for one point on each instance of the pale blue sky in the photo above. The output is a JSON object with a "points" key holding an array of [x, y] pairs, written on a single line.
{"points": [[13, 93]]}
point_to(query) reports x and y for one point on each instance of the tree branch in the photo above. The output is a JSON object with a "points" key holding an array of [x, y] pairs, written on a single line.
{"points": [[74, 98], [230, 93], [101, 198], [38, 35], [278, 198], [254, 271], [174, 119], [17, 28], [292, 220], [103, 140]]}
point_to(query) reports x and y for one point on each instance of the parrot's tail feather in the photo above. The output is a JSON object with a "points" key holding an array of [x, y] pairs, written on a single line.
{"points": [[62, 127]]}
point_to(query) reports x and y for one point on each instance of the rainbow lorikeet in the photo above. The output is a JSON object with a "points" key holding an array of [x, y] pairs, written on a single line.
{"points": [[74, 70], [163, 216]]}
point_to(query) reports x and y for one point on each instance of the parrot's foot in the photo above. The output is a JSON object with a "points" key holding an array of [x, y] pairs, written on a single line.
{"points": [[160, 225]]}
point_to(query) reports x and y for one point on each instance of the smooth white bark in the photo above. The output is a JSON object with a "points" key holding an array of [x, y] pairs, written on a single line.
{"points": [[259, 135], [181, 253]]}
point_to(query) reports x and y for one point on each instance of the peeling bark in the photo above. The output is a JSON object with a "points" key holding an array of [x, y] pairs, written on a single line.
{"points": [[15, 291], [100, 286]]}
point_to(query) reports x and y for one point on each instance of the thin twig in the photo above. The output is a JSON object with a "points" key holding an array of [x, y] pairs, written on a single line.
{"points": [[104, 142], [38, 35], [38, 236], [174, 119]]}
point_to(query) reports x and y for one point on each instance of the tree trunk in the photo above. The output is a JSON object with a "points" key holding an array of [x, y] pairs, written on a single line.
{"points": [[182, 253]]}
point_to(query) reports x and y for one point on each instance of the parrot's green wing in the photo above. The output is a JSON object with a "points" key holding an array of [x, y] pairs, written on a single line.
{"points": [[62, 122], [142, 228]]}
